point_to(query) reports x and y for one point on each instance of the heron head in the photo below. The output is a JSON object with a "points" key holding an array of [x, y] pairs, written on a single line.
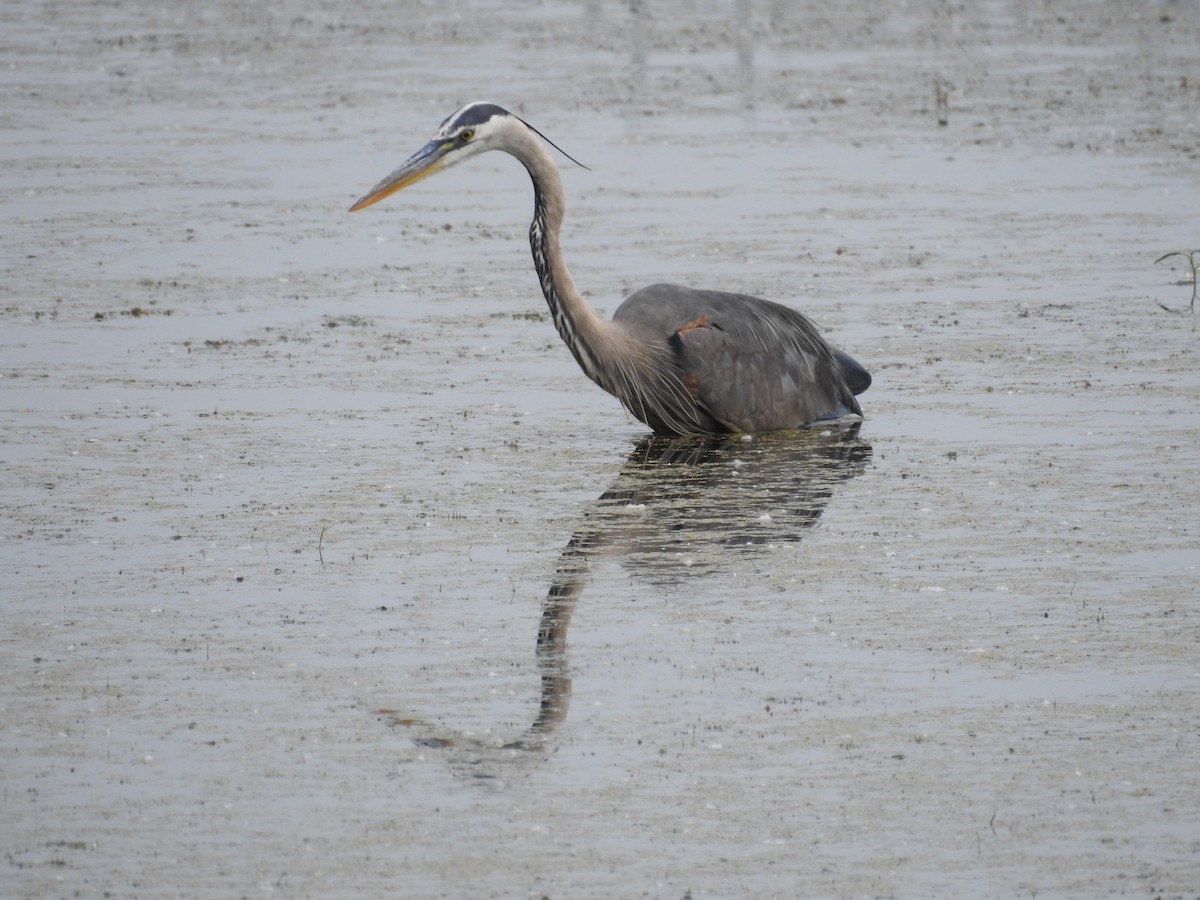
{"points": [[475, 128]]}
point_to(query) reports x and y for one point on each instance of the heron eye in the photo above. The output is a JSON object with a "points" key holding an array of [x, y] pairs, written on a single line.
{"points": [[466, 135]]}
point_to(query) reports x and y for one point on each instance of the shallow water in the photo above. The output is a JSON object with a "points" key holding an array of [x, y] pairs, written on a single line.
{"points": [[325, 569]]}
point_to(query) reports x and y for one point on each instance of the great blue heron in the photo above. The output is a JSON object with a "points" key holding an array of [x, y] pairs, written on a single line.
{"points": [[683, 361]]}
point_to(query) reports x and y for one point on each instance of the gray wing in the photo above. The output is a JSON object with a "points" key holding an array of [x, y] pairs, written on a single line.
{"points": [[749, 364]]}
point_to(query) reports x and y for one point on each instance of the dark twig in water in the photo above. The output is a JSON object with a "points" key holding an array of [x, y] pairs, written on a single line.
{"points": [[1190, 256], [941, 96]]}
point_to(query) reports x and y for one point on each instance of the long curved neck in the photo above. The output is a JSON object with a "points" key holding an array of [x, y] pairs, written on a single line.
{"points": [[596, 344], [641, 374]]}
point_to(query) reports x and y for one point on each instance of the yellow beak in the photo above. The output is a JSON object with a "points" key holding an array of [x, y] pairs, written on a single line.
{"points": [[420, 165]]}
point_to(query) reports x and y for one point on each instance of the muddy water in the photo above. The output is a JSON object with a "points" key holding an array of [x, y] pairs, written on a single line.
{"points": [[325, 570]]}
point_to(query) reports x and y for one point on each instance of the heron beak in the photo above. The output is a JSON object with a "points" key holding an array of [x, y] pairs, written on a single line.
{"points": [[420, 165]]}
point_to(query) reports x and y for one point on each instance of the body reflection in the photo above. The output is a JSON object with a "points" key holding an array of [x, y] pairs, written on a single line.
{"points": [[681, 508]]}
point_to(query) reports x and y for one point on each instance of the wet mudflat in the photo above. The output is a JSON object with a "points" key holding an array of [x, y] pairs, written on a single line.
{"points": [[325, 571]]}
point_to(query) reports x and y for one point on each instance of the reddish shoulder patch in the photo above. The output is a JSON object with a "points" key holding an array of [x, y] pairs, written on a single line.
{"points": [[700, 322]]}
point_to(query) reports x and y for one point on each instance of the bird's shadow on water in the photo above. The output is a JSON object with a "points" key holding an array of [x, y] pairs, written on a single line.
{"points": [[681, 508]]}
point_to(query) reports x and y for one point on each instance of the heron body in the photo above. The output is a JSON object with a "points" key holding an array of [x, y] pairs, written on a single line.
{"points": [[684, 361]]}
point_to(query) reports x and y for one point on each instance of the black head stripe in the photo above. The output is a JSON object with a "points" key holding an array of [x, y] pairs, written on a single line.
{"points": [[471, 116]]}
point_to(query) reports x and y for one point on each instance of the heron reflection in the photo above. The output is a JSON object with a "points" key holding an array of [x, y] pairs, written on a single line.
{"points": [[681, 508]]}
